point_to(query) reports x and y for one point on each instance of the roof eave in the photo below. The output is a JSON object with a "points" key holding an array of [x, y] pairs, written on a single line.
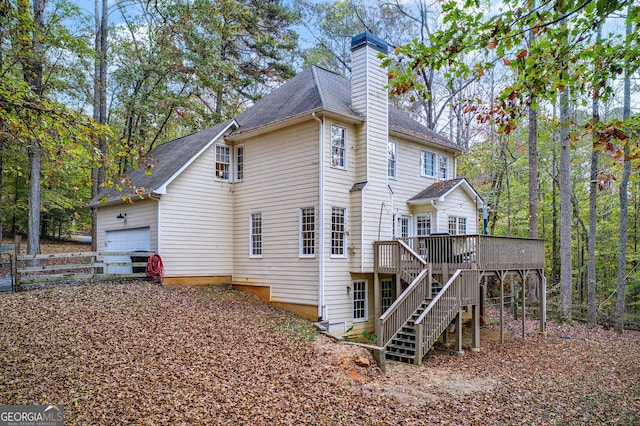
{"points": [[294, 119], [425, 141]]}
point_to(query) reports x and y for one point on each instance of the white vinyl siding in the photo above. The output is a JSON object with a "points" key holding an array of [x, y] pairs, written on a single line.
{"points": [[428, 163], [278, 192], [239, 165], [307, 232], [338, 147], [338, 229], [360, 300], [255, 237], [223, 162], [196, 217], [392, 159]]}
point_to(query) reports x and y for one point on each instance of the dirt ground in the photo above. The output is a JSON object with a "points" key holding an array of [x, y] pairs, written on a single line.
{"points": [[140, 353]]}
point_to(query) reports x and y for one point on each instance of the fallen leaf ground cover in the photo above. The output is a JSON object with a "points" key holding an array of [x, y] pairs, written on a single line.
{"points": [[139, 353]]}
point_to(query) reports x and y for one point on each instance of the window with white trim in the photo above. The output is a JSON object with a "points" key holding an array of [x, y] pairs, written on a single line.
{"points": [[444, 166], [405, 226], [307, 232], [360, 300], [428, 161], [338, 147], [338, 237], [457, 225], [386, 286], [255, 235], [239, 177], [223, 163], [392, 159], [423, 225]]}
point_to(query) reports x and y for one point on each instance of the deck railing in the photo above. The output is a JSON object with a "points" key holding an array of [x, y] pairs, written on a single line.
{"points": [[397, 257], [486, 252], [404, 306], [461, 289]]}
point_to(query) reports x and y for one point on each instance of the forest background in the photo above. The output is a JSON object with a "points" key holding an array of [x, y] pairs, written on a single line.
{"points": [[543, 96]]}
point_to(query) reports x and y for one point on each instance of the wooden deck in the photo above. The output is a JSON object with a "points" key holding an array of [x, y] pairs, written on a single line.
{"points": [[441, 275], [487, 253]]}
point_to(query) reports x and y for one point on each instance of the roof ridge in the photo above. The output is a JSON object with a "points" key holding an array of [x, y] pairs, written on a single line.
{"points": [[316, 81]]}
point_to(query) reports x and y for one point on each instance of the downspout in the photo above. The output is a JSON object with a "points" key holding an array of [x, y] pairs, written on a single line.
{"points": [[322, 314], [437, 221]]}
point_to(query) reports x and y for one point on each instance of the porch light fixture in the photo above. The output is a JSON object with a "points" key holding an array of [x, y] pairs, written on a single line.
{"points": [[121, 216]]}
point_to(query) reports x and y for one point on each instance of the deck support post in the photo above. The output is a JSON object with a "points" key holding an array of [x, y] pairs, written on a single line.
{"points": [[501, 277], [459, 350], [377, 300], [524, 275], [475, 337], [418, 354], [543, 305]]}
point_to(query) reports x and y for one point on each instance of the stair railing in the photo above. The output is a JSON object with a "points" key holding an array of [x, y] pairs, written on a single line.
{"points": [[460, 290], [404, 306]]}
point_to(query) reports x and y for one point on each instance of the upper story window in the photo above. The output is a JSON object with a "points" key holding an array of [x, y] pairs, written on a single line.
{"points": [[444, 167], [457, 225], [423, 225], [239, 163], [307, 232], [404, 223], [255, 235], [223, 162], [428, 160], [338, 240], [338, 147], [392, 159]]}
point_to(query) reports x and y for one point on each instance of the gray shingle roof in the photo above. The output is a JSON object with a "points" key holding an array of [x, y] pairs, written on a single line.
{"points": [[167, 158], [314, 89], [436, 190]]}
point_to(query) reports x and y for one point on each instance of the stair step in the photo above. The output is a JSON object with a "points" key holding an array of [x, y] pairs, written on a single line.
{"points": [[395, 356], [404, 341], [401, 349]]}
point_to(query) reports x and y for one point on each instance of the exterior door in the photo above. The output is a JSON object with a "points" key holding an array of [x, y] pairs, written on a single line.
{"points": [[125, 240]]}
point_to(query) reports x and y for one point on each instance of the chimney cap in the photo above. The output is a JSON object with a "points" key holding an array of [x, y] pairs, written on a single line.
{"points": [[368, 39]]}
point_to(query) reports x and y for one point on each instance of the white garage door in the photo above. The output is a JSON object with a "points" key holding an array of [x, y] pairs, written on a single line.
{"points": [[138, 239]]}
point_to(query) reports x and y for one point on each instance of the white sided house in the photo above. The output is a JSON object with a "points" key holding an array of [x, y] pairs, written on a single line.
{"points": [[289, 198]]}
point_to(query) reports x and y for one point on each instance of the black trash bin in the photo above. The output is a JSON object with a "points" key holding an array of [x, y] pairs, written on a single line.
{"points": [[139, 258]]}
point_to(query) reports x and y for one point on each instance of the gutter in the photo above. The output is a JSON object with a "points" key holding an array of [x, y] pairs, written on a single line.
{"points": [[322, 314]]}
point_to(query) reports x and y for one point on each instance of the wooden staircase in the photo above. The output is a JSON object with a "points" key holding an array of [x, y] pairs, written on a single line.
{"points": [[402, 346]]}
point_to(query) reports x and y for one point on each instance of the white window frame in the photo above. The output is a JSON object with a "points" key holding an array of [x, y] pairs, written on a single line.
{"points": [[222, 175], [255, 235], [392, 159], [360, 300], [307, 242], [443, 166], [404, 224], [338, 234], [239, 163], [386, 290], [457, 225], [423, 225], [339, 146], [423, 162]]}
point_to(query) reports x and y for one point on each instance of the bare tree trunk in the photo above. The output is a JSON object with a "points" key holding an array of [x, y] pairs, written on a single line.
{"points": [[98, 174], [32, 69], [593, 189], [566, 284], [534, 195], [624, 203]]}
